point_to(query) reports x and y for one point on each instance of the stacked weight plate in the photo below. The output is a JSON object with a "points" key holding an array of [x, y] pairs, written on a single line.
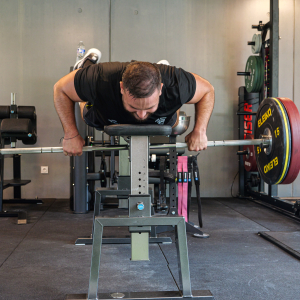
{"points": [[255, 69]]}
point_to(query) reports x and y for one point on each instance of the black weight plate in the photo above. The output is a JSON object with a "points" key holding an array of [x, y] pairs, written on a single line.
{"points": [[288, 148], [273, 163], [251, 80]]}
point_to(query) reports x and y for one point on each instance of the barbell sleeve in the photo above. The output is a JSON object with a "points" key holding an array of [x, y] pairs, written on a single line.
{"points": [[254, 142], [243, 73]]}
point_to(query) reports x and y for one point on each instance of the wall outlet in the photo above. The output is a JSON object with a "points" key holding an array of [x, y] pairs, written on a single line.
{"points": [[44, 169]]}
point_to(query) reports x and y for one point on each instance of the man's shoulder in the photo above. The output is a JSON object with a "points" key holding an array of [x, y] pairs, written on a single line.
{"points": [[111, 67]]}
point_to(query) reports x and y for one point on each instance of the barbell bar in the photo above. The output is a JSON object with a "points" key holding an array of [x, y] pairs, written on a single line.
{"points": [[38, 150]]}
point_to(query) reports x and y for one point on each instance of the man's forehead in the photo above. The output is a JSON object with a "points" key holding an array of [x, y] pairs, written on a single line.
{"points": [[142, 103]]}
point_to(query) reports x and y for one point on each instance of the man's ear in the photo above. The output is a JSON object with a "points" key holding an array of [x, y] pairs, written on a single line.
{"points": [[161, 88], [121, 87]]}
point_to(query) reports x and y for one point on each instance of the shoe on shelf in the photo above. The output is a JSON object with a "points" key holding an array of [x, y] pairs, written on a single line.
{"points": [[93, 55]]}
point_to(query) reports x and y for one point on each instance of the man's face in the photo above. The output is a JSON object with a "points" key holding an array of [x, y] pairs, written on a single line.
{"points": [[141, 108]]}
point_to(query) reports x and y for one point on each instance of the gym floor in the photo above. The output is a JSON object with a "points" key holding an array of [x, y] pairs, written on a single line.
{"points": [[40, 261]]}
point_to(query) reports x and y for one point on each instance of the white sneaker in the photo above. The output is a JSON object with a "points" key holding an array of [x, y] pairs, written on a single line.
{"points": [[163, 62], [94, 55]]}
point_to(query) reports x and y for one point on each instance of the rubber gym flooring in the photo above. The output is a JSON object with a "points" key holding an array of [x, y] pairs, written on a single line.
{"points": [[40, 261]]}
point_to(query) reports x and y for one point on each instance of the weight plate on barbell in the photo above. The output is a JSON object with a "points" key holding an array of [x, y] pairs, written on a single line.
{"points": [[273, 162], [249, 159], [294, 120]]}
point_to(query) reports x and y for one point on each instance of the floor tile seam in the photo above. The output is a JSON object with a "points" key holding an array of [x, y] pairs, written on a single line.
{"points": [[27, 233], [244, 216], [278, 210]]}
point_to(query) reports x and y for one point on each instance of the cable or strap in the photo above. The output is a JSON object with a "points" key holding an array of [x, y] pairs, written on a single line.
{"points": [[184, 202], [190, 184], [197, 184], [179, 184]]}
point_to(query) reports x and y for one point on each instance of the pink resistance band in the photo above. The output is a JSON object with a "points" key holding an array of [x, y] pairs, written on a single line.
{"points": [[179, 184], [182, 170], [184, 203]]}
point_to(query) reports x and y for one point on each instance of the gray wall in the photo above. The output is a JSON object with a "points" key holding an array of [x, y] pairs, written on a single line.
{"points": [[207, 37]]}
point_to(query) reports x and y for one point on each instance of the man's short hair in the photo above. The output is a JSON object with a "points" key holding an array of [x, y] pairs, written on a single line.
{"points": [[141, 79]]}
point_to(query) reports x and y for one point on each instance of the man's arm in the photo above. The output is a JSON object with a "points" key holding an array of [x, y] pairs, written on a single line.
{"points": [[203, 99], [65, 97]]}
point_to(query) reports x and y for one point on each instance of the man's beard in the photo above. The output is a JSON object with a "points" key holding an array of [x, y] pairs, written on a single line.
{"points": [[138, 119]]}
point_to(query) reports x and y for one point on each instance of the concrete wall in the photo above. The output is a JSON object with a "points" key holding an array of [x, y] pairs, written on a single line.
{"points": [[207, 37], [39, 42]]}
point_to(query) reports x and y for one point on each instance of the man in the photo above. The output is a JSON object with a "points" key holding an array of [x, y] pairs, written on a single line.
{"points": [[130, 93]]}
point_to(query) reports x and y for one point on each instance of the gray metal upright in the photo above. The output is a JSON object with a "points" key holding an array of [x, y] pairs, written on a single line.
{"points": [[80, 164], [139, 164], [274, 56]]}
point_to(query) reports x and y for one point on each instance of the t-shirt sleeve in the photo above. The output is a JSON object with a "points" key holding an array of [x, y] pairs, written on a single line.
{"points": [[186, 84], [85, 83], [179, 84]]}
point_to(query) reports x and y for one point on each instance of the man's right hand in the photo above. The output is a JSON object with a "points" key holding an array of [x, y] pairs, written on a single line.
{"points": [[73, 146]]}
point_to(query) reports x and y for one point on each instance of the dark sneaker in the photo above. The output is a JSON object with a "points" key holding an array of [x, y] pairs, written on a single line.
{"points": [[93, 55]]}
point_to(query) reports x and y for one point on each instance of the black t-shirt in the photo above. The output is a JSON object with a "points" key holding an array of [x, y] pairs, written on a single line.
{"points": [[99, 84]]}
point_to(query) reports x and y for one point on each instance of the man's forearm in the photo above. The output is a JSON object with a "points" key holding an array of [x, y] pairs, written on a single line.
{"points": [[203, 111], [65, 110]]}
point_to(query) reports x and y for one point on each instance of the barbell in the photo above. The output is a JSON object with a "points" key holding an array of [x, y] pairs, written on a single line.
{"points": [[276, 137], [38, 150]]}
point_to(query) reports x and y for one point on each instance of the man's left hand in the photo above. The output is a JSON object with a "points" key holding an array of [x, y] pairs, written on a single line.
{"points": [[196, 141]]}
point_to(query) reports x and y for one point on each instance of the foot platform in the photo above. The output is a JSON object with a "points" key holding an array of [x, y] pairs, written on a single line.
{"points": [[170, 295]]}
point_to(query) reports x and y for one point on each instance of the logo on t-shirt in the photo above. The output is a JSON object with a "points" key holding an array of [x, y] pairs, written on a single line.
{"points": [[161, 121], [113, 121]]}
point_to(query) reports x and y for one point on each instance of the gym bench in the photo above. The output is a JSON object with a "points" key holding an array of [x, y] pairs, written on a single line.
{"points": [[140, 222]]}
